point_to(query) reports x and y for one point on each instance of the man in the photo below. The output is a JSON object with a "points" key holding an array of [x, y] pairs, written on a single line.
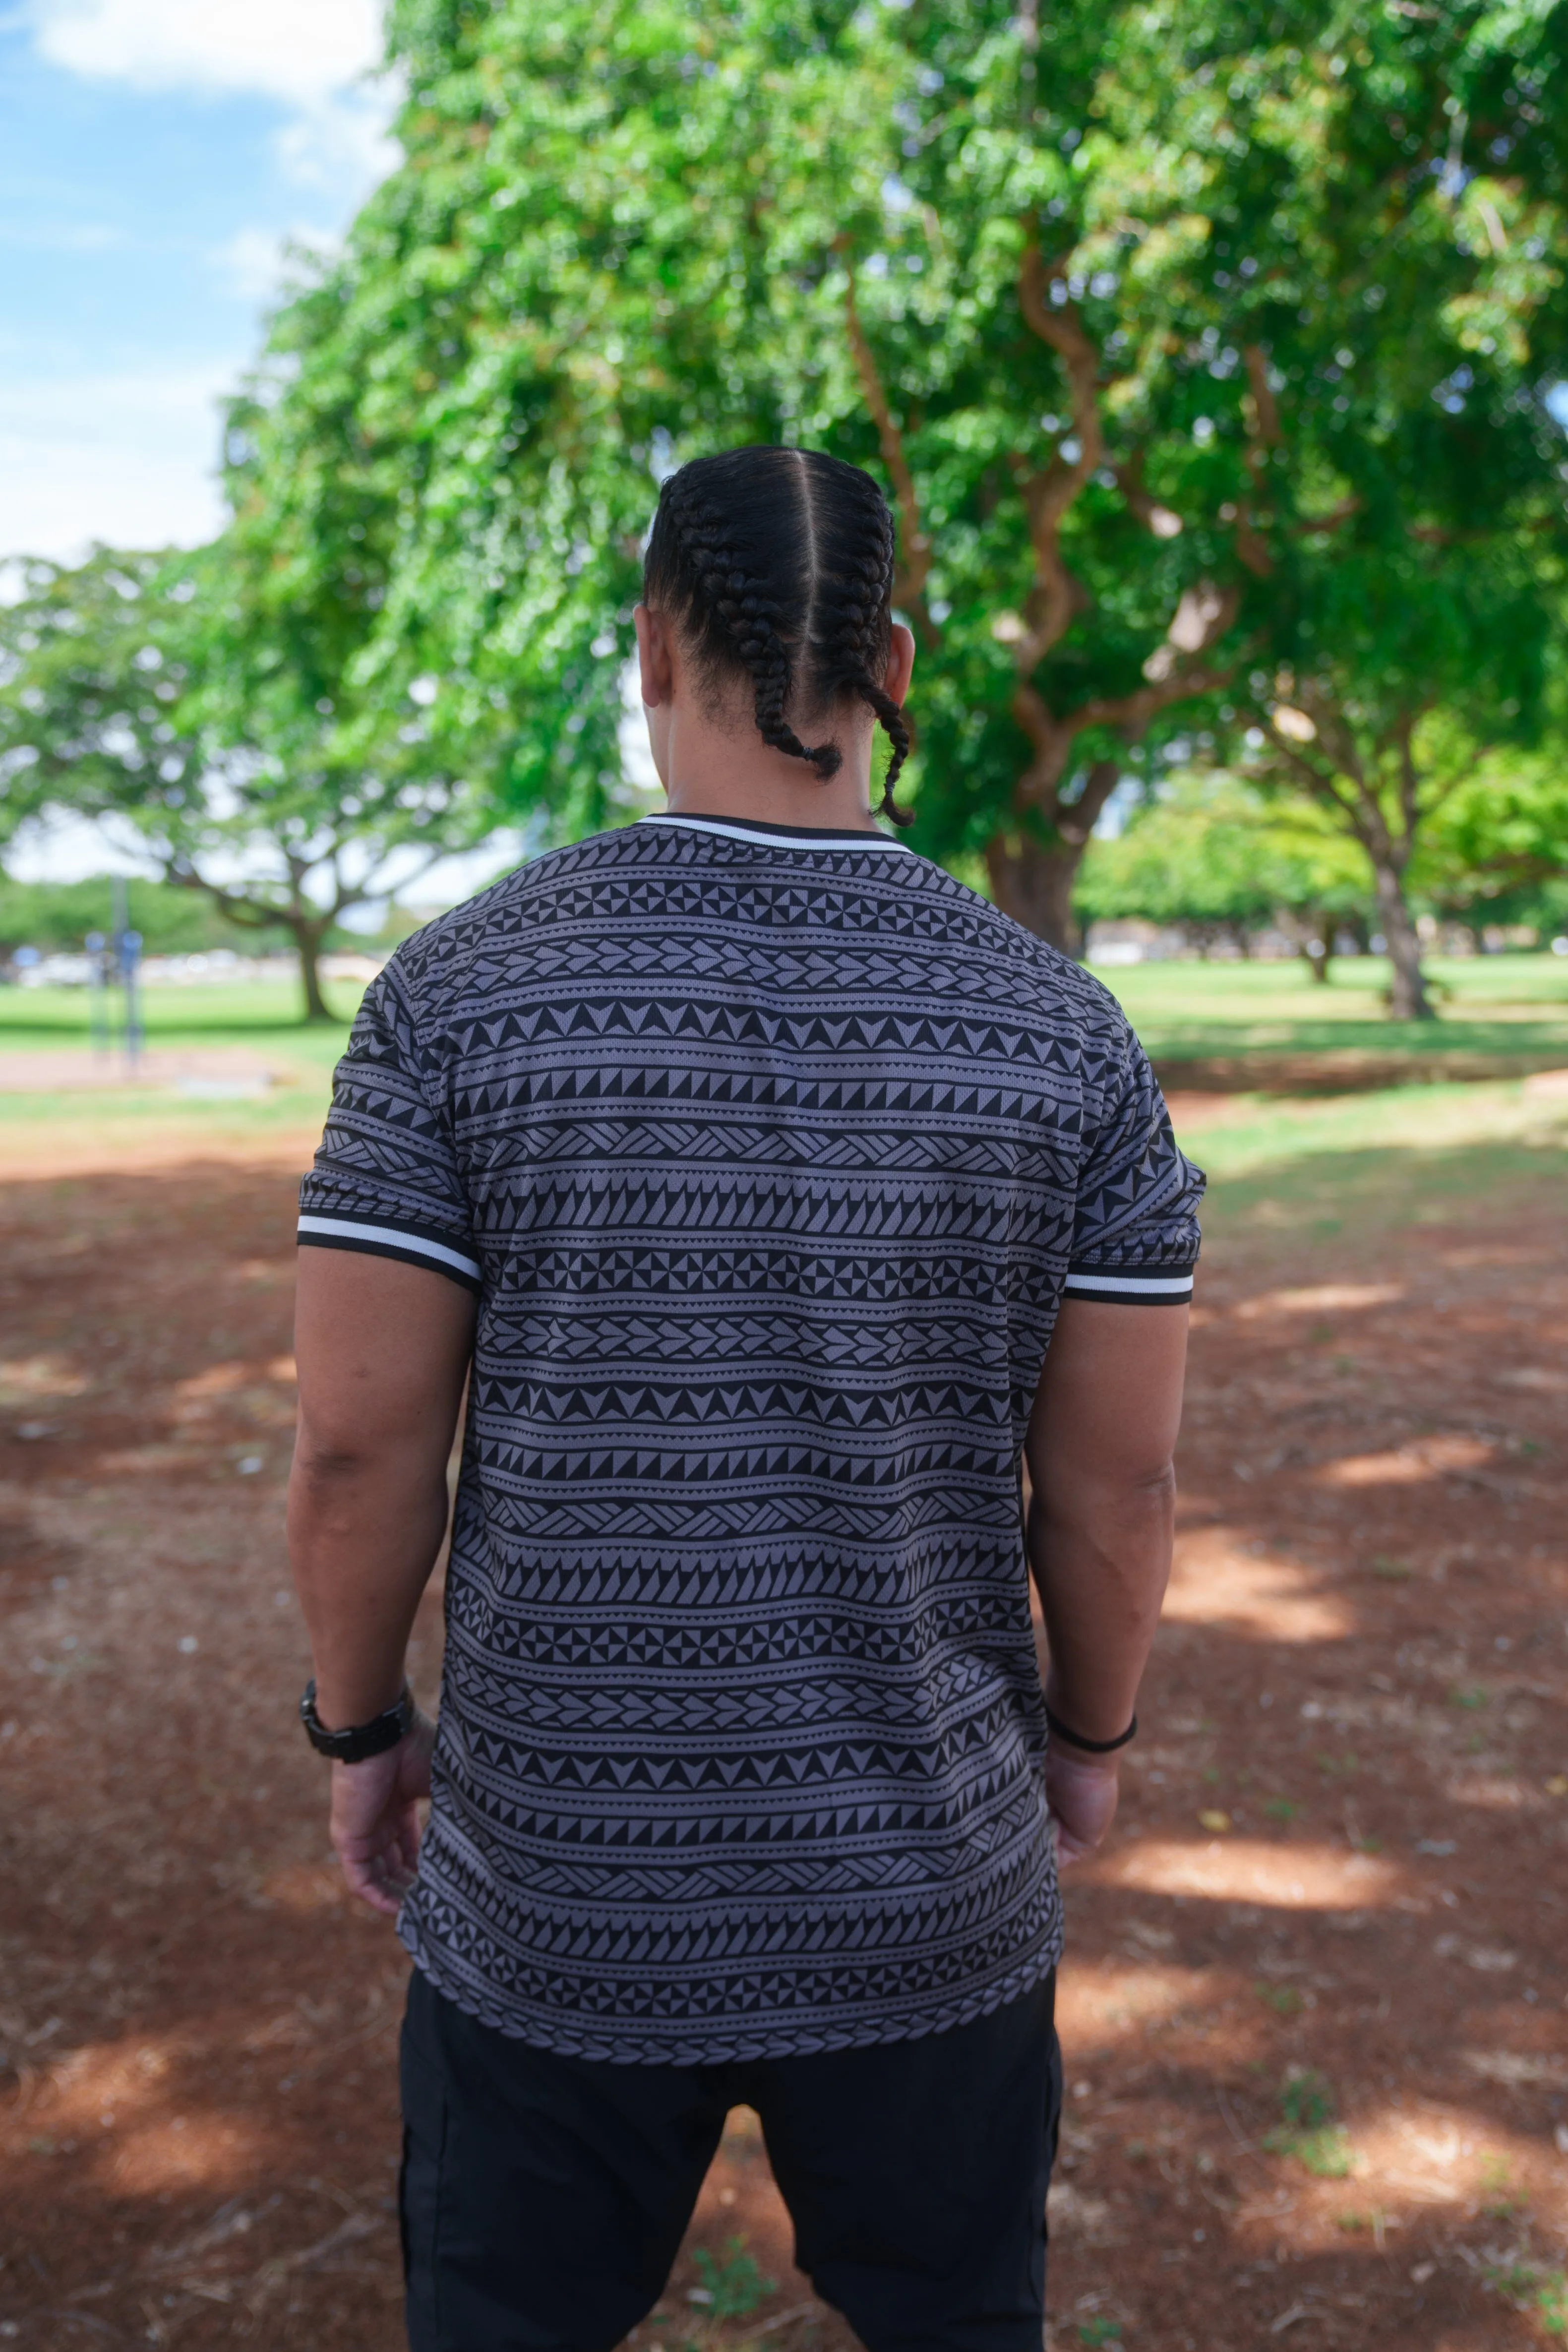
{"points": [[769, 1191]]}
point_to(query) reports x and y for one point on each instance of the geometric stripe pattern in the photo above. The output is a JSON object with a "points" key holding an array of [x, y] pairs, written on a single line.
{"points": [[770, 1157]]}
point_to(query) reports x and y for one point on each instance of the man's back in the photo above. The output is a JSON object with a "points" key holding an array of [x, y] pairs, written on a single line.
{"points": [[770, 1156]]}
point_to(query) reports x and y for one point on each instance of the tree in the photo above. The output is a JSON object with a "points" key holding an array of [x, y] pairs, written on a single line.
{"points": [[1382, 750], [618, 235], [147, 689], [58, 915], [1497, 852], [1403, 331], [1141, 316], [1217, 860]]}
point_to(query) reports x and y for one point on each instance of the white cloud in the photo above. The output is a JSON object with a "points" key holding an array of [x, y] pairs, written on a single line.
{"points": [[340, 147], [251, 262], [318, 57], [258, 264], [298, 50], [128, 457]]}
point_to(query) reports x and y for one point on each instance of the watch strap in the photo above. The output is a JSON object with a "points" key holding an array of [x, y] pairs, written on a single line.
{"points": [[358, 1740]]}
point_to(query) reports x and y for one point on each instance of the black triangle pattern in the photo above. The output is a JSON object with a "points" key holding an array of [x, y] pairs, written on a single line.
{"points": [[773, 1160]]}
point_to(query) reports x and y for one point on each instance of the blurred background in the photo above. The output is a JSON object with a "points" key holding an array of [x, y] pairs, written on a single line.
{"points": [[1216, 363]]}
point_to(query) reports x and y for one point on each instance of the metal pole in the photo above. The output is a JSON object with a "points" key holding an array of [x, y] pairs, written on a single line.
{"points": [[97, 997], [127, 955], [131, 950]]}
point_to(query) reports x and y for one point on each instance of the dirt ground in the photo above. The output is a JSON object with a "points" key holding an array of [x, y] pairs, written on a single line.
{"points": [[1314, 2008]]}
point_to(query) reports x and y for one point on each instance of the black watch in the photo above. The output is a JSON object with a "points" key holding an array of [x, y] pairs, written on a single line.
{"points": [[353, 1745]]}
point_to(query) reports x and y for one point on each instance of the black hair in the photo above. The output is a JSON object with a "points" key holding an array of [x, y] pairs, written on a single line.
{"points": [[777, 565]]}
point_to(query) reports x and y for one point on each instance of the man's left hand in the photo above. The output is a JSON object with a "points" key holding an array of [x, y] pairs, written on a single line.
{"points": [[375, 1817]]}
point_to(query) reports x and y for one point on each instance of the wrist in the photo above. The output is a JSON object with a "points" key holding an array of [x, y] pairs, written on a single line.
{"points": [[356, 1741], [1086, 1736], [345, 1698]]}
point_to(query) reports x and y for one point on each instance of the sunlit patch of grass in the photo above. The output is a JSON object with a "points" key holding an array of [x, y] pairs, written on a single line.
{"points": [[731, 2287], [1498, 2201], [1543, 2293], [1309, 2133], [1497, 1004]]}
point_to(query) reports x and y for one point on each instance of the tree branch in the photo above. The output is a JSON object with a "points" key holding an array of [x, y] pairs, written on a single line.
{"points": [[1078, 819], [1322, 787], [1409, 782], [1263, 425], [915, 547], [1260, 414], [1151, 511], [1056, 596]]}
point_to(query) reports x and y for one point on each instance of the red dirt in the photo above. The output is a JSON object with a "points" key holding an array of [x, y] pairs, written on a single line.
{"points": [[198, 2134]]}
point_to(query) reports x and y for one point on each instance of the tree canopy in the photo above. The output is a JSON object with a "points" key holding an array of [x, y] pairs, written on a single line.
{"points": [[1209, 358], [1204, 354], [153, 689], [1218, 861]]}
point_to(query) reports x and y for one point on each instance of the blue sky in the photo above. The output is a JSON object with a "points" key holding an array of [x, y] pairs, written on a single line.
{"points": [[156, 155]]}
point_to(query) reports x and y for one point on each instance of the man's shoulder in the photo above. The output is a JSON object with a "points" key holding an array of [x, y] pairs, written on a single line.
{"points": [[507, 910], [993, 964], [1030, 976]]}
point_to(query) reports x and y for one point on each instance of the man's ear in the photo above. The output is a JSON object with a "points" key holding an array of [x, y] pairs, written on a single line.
{"points": [[656, 665], [900, 664]]}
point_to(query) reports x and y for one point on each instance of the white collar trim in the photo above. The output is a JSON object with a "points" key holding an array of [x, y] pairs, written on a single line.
{"points": [[776, 840]]}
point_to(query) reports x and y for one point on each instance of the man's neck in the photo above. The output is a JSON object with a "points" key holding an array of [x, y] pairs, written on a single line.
{"points": [[714, 773], [788, 812], [808, 806]]}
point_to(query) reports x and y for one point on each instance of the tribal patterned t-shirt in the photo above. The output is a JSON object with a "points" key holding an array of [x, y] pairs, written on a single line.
{"points": [[769, 1156]]}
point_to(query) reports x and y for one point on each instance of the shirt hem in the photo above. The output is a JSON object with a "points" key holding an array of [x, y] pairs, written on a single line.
{"points": [[746, 2045]]}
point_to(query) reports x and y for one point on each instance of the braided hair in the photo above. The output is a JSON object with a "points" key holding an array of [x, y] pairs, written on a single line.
{"points": [[778, 566]]}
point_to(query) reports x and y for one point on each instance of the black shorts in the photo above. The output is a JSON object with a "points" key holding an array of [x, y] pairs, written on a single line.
{"points": [[544, 2199]]}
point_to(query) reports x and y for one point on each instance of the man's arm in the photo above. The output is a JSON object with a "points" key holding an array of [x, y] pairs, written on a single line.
{"points": [[382, 1351], [1101, 1520]]}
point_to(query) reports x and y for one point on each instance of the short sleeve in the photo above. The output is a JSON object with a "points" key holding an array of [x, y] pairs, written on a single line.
{"points": [[1135, 1234], [386, 1179]]}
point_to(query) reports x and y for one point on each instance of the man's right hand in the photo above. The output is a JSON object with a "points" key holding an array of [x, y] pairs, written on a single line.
{"points": [[1081, 1792], [375, 1817]]}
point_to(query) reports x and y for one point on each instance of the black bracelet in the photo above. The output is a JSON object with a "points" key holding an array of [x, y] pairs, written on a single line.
{"points": [[1060, 1730], [359, 1740]]}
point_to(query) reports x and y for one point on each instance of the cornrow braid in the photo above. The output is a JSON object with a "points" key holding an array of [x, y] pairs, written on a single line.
{"points": [[779, 566], [853, 646], [750, 617]]}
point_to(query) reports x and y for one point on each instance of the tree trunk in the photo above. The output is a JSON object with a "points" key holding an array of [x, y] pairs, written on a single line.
{"points": [[308, 940], [1318, 946], [1034, 885], [1408, 998]]}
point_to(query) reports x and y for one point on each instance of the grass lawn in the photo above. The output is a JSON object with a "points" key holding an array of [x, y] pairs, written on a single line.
{"points": [[1239, 1026], [257, 1025], [1398, 1156], [1501, 1008], [263, 1013]]}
